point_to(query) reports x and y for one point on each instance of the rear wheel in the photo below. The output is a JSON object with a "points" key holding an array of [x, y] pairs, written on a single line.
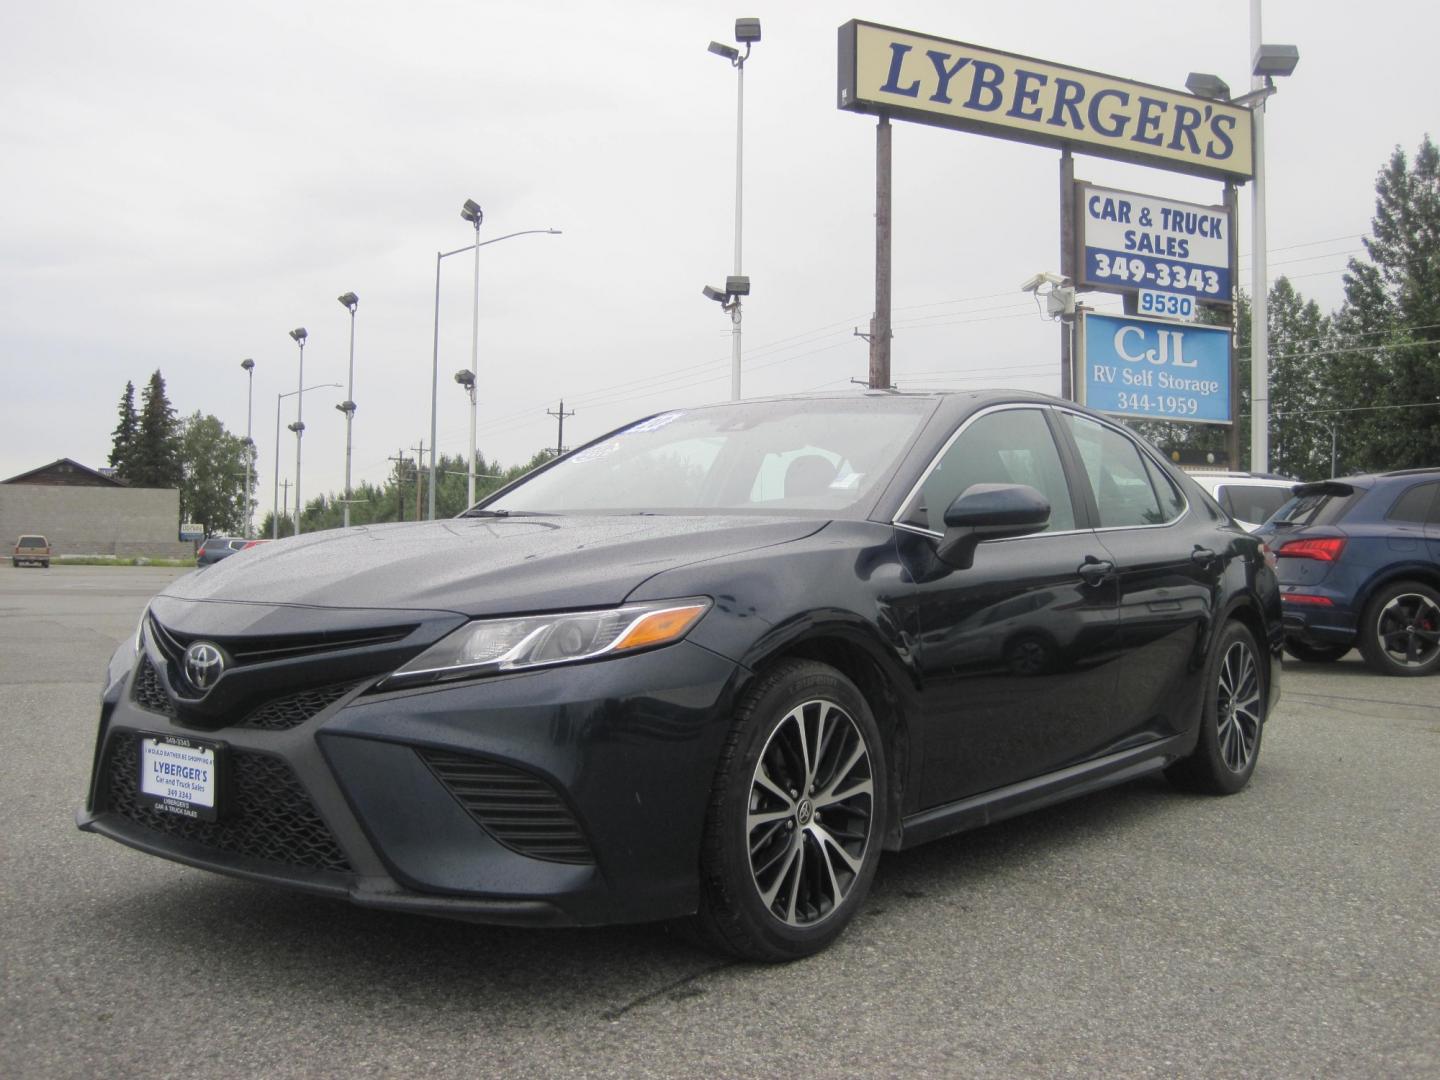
{"points": [[1400, 630], [1232, 721], [796, 816], [1315, 654]]}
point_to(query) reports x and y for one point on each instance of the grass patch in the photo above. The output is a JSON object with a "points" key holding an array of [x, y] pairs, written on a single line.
{"points": [[112, 560]]}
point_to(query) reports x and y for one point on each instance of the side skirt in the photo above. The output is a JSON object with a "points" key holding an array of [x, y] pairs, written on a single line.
{"points": [[1032, 794]]}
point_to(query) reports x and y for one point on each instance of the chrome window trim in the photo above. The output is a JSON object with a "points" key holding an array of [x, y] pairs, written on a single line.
{"points": [[935, 462]]}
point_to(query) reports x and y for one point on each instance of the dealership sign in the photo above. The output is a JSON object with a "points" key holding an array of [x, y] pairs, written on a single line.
{"points": [[1153, 369], [1131, 242], [951, 84]]}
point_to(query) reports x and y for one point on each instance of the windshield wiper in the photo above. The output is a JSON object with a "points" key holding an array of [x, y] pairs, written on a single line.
{"points": [[504, 513]]}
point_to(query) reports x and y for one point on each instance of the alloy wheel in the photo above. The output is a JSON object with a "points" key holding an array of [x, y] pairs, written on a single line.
{"points": [[1238, 706], [810, 814], [1408, 628]]}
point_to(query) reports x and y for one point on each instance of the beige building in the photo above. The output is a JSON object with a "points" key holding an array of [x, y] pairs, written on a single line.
{"points": [[84, 512]]}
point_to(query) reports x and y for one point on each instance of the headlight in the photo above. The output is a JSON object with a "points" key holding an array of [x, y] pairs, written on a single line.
{"points": [[491, 646]]}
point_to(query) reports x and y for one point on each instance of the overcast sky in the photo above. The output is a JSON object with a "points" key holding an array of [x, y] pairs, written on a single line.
{"points": [[181, 184]]}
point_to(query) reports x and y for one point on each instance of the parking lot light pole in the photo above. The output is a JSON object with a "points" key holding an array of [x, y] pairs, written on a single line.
{"points": [[298, 427], [249, 366], [350, 302], [435, 356], [467, 380], [275, 507]]}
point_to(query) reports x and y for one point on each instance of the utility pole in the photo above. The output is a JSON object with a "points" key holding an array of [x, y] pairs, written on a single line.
{"points": [[400, 462], [285, 506], [419, 468], [561, 415], [879, 336]]}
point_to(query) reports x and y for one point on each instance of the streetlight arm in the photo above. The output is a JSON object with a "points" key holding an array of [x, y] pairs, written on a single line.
{"points": [[507, 236]]}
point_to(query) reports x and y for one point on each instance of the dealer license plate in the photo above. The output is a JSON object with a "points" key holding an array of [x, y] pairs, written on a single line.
{"points": [[179, 775]]}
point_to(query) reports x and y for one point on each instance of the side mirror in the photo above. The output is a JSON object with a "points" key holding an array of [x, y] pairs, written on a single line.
{"points": [[990, 512]]}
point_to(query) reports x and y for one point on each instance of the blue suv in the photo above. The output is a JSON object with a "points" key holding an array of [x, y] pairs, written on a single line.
{"points": [[1359, 566]]}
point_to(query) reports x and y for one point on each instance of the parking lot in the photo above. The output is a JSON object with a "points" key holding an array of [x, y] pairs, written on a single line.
{"points": [[1292, 930]]}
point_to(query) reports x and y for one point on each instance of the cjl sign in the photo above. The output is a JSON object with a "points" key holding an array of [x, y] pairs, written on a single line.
{"points": [[1152, 369]]}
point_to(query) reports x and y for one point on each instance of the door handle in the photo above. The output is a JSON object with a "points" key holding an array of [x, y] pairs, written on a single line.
{"points": [[1093, 571], [1202, 556]]}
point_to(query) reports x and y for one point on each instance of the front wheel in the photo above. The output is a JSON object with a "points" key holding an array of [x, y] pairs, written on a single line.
{"points": [[1232, 720], [1400, 630], [796, 816]]}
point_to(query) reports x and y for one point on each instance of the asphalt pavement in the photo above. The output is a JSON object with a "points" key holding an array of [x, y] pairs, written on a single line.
{"points": [[1289, 931]]}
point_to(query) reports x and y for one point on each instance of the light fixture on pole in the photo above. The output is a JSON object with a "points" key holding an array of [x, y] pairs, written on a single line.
{"points": [[747, 32], [275, 506], [467, 380], [472, 213], [1267, 63], [435, 355], [298, 427], [249, 366], [350, 301]]}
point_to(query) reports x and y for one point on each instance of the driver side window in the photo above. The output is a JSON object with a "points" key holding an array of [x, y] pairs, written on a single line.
{"points": [[1013, 446]]}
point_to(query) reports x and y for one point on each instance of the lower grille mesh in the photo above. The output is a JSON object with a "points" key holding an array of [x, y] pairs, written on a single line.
{"points": [[267, 814], [288, 712], [148, 693], [520, 810]]}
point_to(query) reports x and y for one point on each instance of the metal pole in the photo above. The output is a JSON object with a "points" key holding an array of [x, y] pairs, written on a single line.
{"points": [[1260, 291], [1067, 268], [249, 444], [739, 215], [434, 388], [349, 414], [880, 324], [275, 508], [470, 475], [299, 431], [1232, 436], [474, 370]]}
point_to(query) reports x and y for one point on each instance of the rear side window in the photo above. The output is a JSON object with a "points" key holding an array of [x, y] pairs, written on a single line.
{"points": [[1121, 478], [1249, 502], [1415, 505], [1316, 509]]}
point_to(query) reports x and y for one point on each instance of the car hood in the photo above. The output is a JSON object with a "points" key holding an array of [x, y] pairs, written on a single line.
{"points": [[481, 566]]}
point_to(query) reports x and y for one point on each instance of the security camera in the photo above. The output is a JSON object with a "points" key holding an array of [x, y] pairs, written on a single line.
{"points": [[712, 293], [1042, 278]]}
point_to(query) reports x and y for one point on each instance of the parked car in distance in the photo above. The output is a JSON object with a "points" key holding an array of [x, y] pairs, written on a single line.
{"points": [[708, 665], [1250, 498], [1359, 566], [32, 549], [214, 548]]}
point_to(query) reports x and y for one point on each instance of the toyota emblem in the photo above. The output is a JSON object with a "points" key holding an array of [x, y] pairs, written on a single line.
{"points": [[204, 664]]}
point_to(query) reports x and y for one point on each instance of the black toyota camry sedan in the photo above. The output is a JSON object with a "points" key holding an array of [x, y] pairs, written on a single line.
{"points": [[709, 665]]}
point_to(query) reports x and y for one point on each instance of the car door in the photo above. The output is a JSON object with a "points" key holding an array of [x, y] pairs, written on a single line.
{"points": [[1017, 651], [1170, 559]]}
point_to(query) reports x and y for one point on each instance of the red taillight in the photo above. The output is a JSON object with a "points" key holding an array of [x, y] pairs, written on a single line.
{"points": [[1323, 548], [1305, 598]]}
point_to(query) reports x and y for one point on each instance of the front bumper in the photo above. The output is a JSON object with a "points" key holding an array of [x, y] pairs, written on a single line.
{"points": [[572, 795]]}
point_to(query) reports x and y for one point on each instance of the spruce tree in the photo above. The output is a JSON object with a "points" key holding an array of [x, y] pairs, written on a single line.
{"points": [[122, 442], [155, 457]]}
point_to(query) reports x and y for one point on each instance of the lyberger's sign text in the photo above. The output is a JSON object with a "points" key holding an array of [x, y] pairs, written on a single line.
{"points": [[952, 84]]}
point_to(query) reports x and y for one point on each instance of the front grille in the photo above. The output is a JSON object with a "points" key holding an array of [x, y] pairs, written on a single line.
{"points": [[265, 813], [518, 809], [258, 650], [282, 714], [147, 691]]}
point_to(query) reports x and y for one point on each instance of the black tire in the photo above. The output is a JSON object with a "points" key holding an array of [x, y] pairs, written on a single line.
{"points": [[792, 838], [1233, 718], [1400, 630], [1315, 654]]}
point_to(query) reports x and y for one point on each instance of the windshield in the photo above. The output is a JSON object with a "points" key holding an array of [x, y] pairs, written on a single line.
{"points": [[1317, 508], [820, 456]]}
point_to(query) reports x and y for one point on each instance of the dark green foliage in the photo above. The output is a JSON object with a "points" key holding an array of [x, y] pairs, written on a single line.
{"points": [[126, 432], [154, 457], [212, 491], [405, 496]]}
